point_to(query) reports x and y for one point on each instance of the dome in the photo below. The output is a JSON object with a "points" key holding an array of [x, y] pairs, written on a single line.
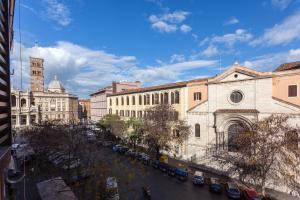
{"points": [[56, 86]]}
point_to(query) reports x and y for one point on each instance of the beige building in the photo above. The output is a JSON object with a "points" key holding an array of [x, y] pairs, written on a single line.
{"points": [[54, 103], [214, 106], [99, 100]]}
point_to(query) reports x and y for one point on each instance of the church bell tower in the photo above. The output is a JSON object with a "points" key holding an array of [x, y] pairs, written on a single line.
{"points": [[37, 74]]}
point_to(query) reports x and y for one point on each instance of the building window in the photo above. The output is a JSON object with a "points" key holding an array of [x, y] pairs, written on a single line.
{"points": [[13, 101], [291, 140], [197, 130], [177, 97], [33, 119], [122, 113], [166, 98], [13, 119], [152, 99], [23, 102], [110, 102], [236, 96], [145, 100], [148, 99], [133, 100], [140, 114], [23, 120], [140, 100], [127, 113], [117, 101], [161, 98], [172, 98], [132, 113], [127, 100], [197, 96], [175, 133], [110, 111], [122, 101], [156, 98], [117, 112], [293, 90]]}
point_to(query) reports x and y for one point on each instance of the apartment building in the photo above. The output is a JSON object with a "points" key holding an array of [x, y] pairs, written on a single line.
{"points": [[99, 98]]}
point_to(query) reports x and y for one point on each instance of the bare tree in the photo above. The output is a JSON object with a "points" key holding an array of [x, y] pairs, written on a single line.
{"points": [[267, 153], [162, 128]]}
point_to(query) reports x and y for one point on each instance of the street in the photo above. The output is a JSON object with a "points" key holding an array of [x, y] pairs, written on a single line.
{"points": [[132, 175]]}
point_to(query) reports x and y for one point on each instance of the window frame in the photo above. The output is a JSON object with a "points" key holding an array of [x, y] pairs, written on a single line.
{"points": [[296, 90]]}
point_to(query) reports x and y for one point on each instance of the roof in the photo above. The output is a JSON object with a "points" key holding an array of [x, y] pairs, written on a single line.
{"points": [[286, 102], [288, 66], [237, 111], [55, 85], [55, 189], [152, 88], [102, 90]]}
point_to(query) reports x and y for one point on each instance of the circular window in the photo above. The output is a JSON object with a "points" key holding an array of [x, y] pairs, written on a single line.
{"points": [[236, 97]]}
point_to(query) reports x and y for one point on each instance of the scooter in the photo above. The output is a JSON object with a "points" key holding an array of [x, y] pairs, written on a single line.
{"points": [[146, 192]]}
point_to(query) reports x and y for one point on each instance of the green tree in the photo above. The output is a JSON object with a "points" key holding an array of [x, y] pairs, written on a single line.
{"points": [[134, 129], [113, 124]]}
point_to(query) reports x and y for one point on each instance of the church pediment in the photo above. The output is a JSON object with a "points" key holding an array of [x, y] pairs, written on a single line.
{"points": [[237, 73]]}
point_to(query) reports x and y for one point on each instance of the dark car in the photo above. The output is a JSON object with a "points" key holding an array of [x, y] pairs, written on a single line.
{"points": [[233, 191], [146, 160], [155, 164], [215, 185], [198, 178], [123, 150], [171, 171], [181, 174], [250, 194], [163, 167]]}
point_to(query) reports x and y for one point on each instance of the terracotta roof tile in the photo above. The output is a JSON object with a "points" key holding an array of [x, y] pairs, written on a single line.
{"points": [[288, 66]]}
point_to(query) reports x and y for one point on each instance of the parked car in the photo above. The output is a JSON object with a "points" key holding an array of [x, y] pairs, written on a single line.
{"points": [[146, 160], [198, 178], [233, 191], [140, 156], [62, 159], [112, 189], [55, 156], [108, 143], [171, 171], [215, 185], [250, 194], [73, 164], [116, 147], [155, 164], [129, 152], [163, 167], [123, 150], [182, 174]]}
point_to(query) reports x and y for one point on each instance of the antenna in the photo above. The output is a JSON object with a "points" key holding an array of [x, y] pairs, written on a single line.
{"points": [[20, 49], [220, 63]]}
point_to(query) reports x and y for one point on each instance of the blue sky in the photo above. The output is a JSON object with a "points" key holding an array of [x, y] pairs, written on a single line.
{"points": [[88, 44]]}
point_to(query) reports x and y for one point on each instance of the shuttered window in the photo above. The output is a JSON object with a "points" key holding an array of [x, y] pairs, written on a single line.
{"points": [[293, 90], [6, 19]]}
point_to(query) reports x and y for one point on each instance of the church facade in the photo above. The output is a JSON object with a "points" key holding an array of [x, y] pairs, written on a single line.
{"points": [[39, 104]]}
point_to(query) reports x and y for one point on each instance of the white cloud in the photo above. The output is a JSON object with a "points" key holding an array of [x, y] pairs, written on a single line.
{"points": [[240, 35], [280, 4], [283, 33], [177, 58], [162, 26], [185, 28], [58, 12], [231, 21], [174, 17], [210, 51], [273, 60], [83, 70], [170, 22]]}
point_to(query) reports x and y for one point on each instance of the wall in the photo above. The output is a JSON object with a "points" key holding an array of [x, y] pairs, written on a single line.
{"points": [[280, 86]]}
